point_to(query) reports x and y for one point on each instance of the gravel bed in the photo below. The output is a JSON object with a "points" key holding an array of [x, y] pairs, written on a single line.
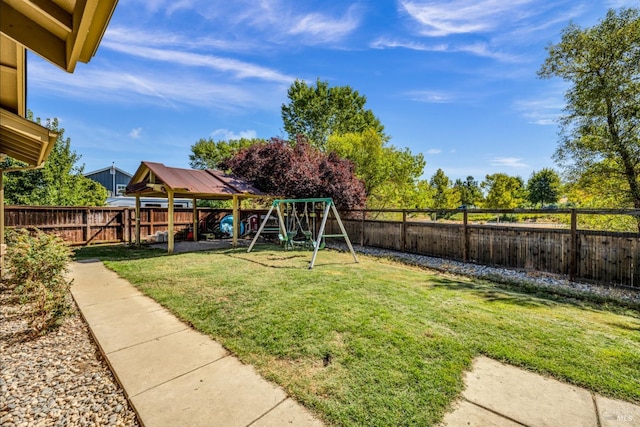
{"points": [[510, 276], [59, 379]]}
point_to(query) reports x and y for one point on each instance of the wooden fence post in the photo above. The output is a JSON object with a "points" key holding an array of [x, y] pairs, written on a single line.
{"points": [[465, 237], [364, 215], [573, 258], [403, 244], [85, 223], [126, 225]]}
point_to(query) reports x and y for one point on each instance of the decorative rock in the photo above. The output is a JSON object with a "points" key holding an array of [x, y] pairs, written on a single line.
{"points": [[538, 279], [57, 379]]}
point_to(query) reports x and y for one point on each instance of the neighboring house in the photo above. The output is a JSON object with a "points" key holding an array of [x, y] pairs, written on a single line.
{"points": [[113, 179]]}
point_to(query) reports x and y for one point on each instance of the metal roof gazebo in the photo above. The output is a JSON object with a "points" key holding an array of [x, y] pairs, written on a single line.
{"points": [[157, 180]]}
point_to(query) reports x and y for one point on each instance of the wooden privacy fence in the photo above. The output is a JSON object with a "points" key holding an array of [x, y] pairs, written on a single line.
{"points": [[94, 225], [603, 257]]}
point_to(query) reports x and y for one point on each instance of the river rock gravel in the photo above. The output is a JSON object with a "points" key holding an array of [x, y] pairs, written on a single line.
{"points": [[59, 379], [553, 283]]}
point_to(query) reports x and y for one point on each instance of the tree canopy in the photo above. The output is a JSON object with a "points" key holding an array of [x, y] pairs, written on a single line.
{"points": [[209, 154], [298, 170], [320, 111], [543, 187], [442, 194], [390, 175], [468, 191], [601, 124], [503, 191], [59, 183]]}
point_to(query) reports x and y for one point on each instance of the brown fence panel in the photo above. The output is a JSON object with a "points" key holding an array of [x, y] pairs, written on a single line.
{"points": [[76, 225], [523, 248], [609, 258], [432, 239]]}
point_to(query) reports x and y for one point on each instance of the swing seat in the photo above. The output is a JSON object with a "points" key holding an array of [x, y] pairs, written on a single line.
{"points": [[287, 241]]}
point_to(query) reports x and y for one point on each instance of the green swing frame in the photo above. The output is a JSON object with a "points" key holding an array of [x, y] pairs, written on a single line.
{"points": [[286, 236]]}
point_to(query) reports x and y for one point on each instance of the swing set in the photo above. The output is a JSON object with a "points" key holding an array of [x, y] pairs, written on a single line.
{"points": [[297, 226]]}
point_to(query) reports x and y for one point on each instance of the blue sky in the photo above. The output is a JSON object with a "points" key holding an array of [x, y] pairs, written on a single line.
{"points": [[454, 80]]}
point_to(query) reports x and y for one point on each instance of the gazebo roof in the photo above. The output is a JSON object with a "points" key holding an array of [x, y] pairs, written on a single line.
{"points": [[156, 180]]}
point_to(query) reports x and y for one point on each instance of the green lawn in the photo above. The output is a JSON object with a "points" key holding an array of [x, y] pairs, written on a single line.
{"points": [[381, 343]]}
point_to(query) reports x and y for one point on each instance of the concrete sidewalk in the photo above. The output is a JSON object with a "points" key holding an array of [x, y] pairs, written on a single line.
{"points": [[174, 375], [501, 395], [171, 374]]}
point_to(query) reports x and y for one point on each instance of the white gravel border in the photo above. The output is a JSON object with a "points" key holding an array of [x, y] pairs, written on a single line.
{"points": [[510, 276]]}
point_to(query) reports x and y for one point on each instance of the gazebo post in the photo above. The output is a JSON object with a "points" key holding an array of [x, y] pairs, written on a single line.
{"points": [[138, 242], [170, 239], [236, 220], [196, 220]]}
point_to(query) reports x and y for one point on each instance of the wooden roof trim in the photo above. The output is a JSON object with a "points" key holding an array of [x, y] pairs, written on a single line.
{"points": [[25, 140], [62, 34]]}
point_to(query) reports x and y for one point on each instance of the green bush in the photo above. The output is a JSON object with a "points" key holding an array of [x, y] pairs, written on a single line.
{"points": [[36, 267]]}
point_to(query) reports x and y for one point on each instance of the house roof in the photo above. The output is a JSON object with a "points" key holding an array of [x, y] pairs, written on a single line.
{"points": [[156, 180], [106, 169]]}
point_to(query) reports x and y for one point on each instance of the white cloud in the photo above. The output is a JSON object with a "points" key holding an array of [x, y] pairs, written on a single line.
{"points": [[479, 49], [164, 39], [434, 151], [135, 133], [439, 18], [544, 112], [431, 96], [510, 162], [237, 68], [383, 43], [228, 135], [321, 28], [145, 87]]}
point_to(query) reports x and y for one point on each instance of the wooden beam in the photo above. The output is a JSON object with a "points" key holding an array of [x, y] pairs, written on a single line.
{"points": [[55, 13], [236, 220], [138, 219], [196, 220], [170, 239], [83, 14], [30, 34]]}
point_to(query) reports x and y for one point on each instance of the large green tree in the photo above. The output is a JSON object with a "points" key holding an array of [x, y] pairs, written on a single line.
{"points": [[543, 187], [442, 191], [601, 125], [468, 191], [390, 175], [503, 191], [209, 154], [318, 111], [59, 183]]}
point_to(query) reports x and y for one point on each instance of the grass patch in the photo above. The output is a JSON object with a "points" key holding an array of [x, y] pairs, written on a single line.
{"points": [[116, 252], [383, 343]]}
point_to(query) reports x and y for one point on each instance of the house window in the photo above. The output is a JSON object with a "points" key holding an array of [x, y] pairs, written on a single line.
{"points": [[120, 189]]}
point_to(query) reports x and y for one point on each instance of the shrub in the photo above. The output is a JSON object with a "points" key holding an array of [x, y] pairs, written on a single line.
{"points": [[36, 267]]}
